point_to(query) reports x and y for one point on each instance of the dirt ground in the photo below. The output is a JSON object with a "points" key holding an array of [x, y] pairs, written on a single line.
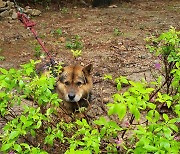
{"points": [[125, 54]]}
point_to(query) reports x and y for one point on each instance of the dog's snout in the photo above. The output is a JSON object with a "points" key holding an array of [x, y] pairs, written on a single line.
{"points": [[71, 96]]}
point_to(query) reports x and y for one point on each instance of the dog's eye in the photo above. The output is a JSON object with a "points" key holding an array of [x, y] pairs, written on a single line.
{"points": [[79, 83], [67, 83]]}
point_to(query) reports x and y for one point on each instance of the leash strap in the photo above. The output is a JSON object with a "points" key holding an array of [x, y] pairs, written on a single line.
{"points": [[30, 25]]}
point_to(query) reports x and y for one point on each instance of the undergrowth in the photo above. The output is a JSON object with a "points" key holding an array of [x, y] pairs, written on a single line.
{"points": [[36, 128]]}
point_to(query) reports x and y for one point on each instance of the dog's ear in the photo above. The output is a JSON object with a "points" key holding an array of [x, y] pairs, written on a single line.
{"points": [[87, 69]]}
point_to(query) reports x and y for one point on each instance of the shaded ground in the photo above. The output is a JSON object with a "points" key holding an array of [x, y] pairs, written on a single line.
{"points": [[117, 55]]}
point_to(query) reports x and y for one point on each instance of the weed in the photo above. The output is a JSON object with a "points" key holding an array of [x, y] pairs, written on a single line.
{"points": [[107, 77], [76, 53], [74, 43], [38, 53], [58, 32], [2, 58], [64, 10], [117, 32]]}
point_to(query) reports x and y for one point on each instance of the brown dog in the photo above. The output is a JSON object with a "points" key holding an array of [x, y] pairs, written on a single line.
{"points": [[74, 86]]}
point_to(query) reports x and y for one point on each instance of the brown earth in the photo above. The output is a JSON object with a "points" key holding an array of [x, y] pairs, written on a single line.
{"points": [[124, 54]]}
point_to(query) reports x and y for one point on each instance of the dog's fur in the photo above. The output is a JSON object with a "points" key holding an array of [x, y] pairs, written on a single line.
{"points": [[74, 86]]}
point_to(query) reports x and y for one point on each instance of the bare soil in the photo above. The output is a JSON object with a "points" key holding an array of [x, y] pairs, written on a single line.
{"points": [[125, 54]]}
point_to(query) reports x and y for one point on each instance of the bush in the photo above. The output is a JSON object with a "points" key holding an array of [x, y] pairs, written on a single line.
{"points": [[37, 128]]}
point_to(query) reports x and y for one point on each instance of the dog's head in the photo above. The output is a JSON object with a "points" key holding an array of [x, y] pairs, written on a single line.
{"points": [[75, 83]]}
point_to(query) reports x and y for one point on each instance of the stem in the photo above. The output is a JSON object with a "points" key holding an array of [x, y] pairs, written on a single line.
{"points": [[130, 122], [157, 90]]}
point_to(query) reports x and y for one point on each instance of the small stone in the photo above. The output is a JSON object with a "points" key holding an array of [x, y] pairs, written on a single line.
{"points": [[122, 47], [113, 6], [2, 4], [36, 12], [4, 14], [28, 11], [11, 11], [10, 4], [27, 7], [14, 15], [62, 39], [3, 9], [106, 100]]}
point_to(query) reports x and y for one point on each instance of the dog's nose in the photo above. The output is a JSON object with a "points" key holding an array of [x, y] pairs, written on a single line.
{"points": [[71, 96]]}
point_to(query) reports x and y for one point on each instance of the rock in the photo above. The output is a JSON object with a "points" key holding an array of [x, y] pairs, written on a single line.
{"points": [[10, 4], [33, 12], [2, 4], [14, 15], [113, 6], [28, 11], [3, 9], [106, 100], [122, 47], [36, 12], [4, 14], [27, 7], [11, 11]]}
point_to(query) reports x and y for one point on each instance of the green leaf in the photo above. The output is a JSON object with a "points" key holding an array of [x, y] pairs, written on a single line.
{"points": [[39, 123], [33, 133], [150, 148], [13, 134], [4, 71], [18, 148], [158, 129], [122, 108], [5, 147], [167, 132], [103, 131], [151, 106], [118, 86], [119, 109], [165, 116], [59, 134], [173, 127], [137, 114], [156, 115], [25, 145], [21, 83], [23, 119], [124, 80]]}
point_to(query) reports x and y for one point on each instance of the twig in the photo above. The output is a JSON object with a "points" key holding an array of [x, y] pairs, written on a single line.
{"points": [[130, 122]]}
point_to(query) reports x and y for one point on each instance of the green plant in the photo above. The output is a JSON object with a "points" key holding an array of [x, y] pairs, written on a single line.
{"points": [[16, 85], [107, 77], [2, 58], [134, 123], [58, 32], [74, 43], [156, 133], [117, 32], [38, 51], [166, 47], [64, 10], [76, 53]]}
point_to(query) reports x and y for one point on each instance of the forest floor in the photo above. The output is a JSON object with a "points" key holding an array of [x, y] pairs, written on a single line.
{"points": [[124, 54]]}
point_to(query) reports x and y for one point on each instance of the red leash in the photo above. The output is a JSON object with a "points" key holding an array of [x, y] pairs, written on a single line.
{"points": [[29, 25]]}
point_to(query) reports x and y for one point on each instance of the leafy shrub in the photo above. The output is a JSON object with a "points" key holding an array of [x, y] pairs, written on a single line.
{"points": [[74, 43], [37, 128]]}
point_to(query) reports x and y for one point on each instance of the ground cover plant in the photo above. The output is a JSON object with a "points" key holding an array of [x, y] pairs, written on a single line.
{"points": [[36, 128]]}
